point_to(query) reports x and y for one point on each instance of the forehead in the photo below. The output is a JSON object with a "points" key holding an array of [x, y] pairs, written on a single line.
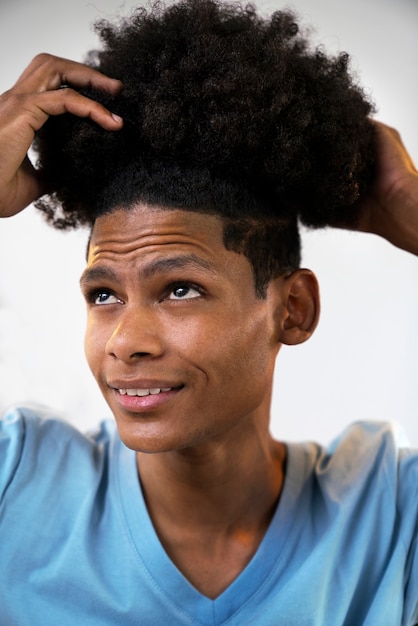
{"points": [[145, 242], [142, 231]]}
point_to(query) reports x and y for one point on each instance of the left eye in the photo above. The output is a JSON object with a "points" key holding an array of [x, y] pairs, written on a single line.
{"points": [[183, 292]]}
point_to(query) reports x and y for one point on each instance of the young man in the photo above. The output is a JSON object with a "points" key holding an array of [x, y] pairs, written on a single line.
{"points": [[228, 130]]}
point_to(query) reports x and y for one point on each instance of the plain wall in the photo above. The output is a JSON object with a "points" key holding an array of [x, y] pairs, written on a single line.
{"points": [[361, 362]]}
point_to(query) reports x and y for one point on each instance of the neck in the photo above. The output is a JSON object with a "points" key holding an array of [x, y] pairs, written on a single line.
{"points": [[212, 506], [214, 485]]}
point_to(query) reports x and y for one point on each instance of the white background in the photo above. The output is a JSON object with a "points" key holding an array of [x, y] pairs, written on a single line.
{"points": [[360, 364]]}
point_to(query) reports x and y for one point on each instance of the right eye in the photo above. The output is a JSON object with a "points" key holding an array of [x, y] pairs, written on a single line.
{"points": [[102, 296]]}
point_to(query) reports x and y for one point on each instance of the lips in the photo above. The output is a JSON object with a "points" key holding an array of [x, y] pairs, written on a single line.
{"points": [[139, 394], [146, 397]]}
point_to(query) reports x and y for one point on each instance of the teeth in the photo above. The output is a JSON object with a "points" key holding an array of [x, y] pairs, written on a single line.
{"points": [[139, 392], [143, 392]]}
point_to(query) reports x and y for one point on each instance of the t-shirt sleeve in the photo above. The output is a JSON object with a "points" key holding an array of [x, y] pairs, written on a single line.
{"points": [[12, 438], [408, 507]]}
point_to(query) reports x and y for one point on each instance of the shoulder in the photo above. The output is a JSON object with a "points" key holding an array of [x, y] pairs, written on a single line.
{"points": [[373, 475], [356, 509], [35, 441], [366, 472], [369, 461], [366, 454]]}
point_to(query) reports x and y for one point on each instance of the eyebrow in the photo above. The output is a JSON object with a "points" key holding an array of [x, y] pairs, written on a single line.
{"points": [[97, 274], [165, 264]]}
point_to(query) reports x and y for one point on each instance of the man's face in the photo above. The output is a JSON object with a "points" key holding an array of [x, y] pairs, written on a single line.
{"points": [[182, 348]]}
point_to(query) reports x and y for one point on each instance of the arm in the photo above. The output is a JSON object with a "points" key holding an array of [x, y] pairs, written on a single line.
{"points": [[25, 108], [391, 208]]}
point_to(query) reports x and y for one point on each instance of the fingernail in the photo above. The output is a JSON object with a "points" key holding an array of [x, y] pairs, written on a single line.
{"points": [[117, 118]]}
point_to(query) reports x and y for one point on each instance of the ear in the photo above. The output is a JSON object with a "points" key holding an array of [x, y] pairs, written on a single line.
{"points": [[300, 315]]}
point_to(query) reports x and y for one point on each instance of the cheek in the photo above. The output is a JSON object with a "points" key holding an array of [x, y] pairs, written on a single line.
{"points": [[94, 344], [240, 352], [194, 337]]}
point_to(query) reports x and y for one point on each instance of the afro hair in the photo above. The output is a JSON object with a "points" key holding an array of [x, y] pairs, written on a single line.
{"points": [[224, 111]]}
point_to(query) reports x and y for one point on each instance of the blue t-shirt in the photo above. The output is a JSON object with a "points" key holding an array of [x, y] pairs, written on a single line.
{"points": [[77, 546]]}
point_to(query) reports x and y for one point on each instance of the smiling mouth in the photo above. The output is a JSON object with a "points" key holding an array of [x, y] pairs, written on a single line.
{"points": [[146, 392]]}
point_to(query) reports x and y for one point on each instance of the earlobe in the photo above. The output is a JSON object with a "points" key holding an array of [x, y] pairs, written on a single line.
{"points": [[301, 307]]}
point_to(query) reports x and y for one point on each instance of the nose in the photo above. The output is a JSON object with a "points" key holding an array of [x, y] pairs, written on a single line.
{"points": [[137, 335]]}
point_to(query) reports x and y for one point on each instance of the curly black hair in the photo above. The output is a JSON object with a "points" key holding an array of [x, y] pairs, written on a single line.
{"points": [[224, 112]]}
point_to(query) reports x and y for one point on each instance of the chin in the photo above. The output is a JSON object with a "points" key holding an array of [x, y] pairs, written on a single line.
{"points": [[152, 439]]}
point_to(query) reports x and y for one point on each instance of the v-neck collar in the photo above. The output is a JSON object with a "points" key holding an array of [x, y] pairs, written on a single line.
{"points": [[168, 578]]}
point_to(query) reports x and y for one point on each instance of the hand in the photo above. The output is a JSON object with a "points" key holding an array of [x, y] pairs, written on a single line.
{"points": [[26, 107], [391, 209]]}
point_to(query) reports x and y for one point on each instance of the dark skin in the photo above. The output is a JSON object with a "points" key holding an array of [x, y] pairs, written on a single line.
{"points": [[169, 308], [211, 478], [391, 208]]}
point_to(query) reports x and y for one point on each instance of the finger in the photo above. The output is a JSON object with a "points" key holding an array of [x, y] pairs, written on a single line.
{"points": [[69, 101], [47, 72], [22, 116]]}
